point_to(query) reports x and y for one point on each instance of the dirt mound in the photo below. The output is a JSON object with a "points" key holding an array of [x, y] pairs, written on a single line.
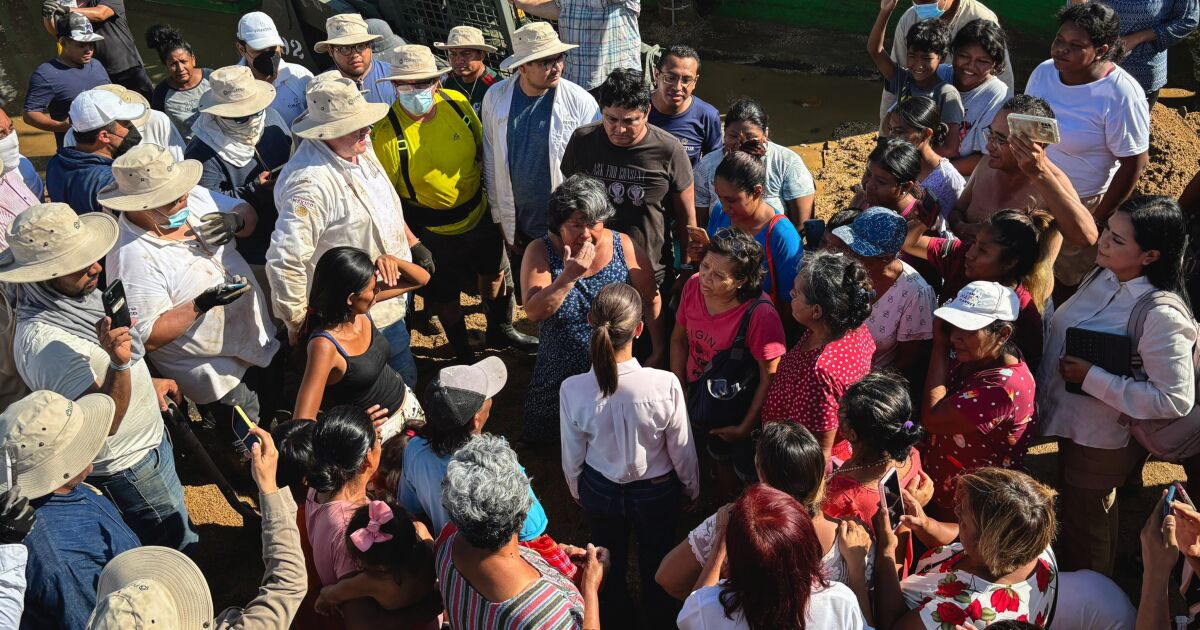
{"points": [[1174, 159]]}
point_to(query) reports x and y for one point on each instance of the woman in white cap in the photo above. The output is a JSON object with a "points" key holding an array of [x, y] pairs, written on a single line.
{"points": [[261, 48], [333, 192], [349, 43], [239, 140], [979, 394], [162, 588]]}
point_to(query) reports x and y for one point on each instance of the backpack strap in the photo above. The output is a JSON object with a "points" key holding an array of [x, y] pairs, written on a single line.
{"points": [[1141, 310], [457, 110], [402, 150], [771, 260], [738, 348]]}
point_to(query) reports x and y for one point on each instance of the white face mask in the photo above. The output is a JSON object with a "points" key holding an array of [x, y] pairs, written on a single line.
{"points": [[10, 151]]}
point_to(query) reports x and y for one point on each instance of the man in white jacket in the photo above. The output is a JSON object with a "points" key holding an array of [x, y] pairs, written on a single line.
{"points": [[528, 119], [334, 193]]}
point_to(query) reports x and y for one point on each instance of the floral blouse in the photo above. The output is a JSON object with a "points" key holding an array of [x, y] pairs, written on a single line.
{"points": [[946, 597]]}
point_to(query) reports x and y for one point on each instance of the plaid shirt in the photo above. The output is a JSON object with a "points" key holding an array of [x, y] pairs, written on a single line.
{"points": [[606, 32]]}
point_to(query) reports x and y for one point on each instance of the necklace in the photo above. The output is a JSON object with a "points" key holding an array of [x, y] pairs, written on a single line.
{"points": [[846, 469]]}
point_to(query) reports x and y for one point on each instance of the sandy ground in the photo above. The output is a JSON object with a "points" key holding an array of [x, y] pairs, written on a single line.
{"points": [[230, 552]]}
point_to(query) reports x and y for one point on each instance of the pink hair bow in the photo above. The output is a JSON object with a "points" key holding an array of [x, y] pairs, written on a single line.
{"points": [[364, 537]]}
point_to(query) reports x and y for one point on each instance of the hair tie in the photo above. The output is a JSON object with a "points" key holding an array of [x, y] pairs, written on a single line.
{"points": [[364, 537], [908, 424], [411, 433]]}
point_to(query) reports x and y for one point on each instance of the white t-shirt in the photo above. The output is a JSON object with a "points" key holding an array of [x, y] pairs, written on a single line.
{"points": [[904, 313], [1090, 601], [210, 357], [290, 83], [1098, 122], [831, 608], [49, 357], [981, 104], [787, 177]]}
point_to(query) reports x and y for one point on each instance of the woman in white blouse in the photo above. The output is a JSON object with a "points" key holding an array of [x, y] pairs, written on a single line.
{"points": [[627, 450], [1140, 251]]}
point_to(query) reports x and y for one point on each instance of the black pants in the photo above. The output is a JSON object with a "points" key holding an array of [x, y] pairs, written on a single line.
{"points": [[134, 79]]}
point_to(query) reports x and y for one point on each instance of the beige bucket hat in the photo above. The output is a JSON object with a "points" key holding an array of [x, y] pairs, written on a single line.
{"points": [[49, 240], [152, 583], [55, 438], [532, 42], [131, 97], [148, 177], [465, 37], [346, 29], [412, 62], [235, 93], [336, 107]]}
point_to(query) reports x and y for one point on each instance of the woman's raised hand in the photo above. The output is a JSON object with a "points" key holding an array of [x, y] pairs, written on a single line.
{"points": [[577, 263]]}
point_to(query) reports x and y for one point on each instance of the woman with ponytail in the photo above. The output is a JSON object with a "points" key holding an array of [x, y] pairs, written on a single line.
{"points": [[1013, 248], [918, 122], [627, 449], [178, 95], [832, 299]]}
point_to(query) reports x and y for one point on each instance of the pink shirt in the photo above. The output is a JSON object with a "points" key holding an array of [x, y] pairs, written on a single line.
{"points": [[709, 334], [326, 524], [808, 385], [15, 198]]}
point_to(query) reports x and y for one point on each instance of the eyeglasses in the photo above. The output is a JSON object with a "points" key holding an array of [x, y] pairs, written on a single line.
{"points": [[672, 79], [413, 88], [241, 120], [546, 64], [354, 49], [992, 136]]}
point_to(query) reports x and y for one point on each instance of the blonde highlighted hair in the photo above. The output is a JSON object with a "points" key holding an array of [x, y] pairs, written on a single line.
{"points": [[1013, 514]]}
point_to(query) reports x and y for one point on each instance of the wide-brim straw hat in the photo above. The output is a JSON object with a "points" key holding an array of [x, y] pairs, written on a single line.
{"points": [[346, 29], [532, 42], [465, 37], [148, 177], [49, 240], [412, 62], [234, 93], [336, 107], [179, 577], [55, 438]]}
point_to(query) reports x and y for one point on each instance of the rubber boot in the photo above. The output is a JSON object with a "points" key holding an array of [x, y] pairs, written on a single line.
{"points": [[500, 331], [457, 334]]}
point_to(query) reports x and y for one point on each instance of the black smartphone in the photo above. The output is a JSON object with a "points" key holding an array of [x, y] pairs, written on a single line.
{"points": [[241, 428], [814, 233], [115, 306], [889, 497]]}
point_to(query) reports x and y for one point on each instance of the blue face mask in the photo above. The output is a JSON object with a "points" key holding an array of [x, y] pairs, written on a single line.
{"points": [[928, 11], [178, 219], [418, 103]]}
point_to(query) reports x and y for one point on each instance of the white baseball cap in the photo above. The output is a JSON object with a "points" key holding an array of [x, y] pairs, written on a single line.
{"points": [[94, 109], [979, 304], [258, 30]]}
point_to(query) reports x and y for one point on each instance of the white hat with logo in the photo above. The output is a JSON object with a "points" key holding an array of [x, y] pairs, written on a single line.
{"points": [[258, 30]]}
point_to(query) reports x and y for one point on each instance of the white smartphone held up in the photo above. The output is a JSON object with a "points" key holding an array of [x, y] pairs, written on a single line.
{"points": [[889, 497]]}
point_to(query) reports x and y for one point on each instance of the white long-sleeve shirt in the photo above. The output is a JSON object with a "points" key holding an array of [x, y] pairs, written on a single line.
{"points": [[12, 584], [1104, 305], [640, 432]]}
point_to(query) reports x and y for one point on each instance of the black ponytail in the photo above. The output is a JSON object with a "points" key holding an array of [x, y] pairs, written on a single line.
{"points": [[166, 39], [340, 443]]}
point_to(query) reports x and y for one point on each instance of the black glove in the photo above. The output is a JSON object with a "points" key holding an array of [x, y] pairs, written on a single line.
{"points": [[422, 257], [16, 516], [51, 9], [218, 228], [221, 294]]}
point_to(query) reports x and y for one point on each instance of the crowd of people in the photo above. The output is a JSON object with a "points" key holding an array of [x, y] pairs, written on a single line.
{"points": [[857, 393]]}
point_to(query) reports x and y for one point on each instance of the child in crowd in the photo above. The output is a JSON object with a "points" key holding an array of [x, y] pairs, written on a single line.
{"points": [[928, 46], [386, 482]]}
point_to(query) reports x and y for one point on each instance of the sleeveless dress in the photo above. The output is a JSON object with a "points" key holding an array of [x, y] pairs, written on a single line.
{"points": [[368, 380], [565, 341]]}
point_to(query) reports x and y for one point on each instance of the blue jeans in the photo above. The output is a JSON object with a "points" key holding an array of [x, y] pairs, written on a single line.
{"points": [[150, 499], [402, 358], [651, 508]]}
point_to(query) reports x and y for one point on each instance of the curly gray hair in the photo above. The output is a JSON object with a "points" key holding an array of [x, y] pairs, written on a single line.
{"points": [[579, 193], [485, 492]]}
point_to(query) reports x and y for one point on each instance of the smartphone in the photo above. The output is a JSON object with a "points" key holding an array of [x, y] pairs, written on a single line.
{"points": [[8, 467], [698, 235], [1036, 128], [241, 428], [814, 233], [1166, 509], [115, 306], [273, 173], [1182, 495], [889, 497], [232, 286]]}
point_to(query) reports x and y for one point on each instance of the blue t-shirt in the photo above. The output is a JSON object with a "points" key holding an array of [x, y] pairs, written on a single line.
{"points": [[698, 128], [421, 490], [529, 159], [32, 179], [787, 251], [383, 91], [76, 534], [54, 84]]}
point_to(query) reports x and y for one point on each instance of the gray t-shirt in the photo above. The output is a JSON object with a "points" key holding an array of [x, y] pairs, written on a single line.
{"points": [[117, 52], [980, 105], [787, 177], [181, 106], [947, 98]]}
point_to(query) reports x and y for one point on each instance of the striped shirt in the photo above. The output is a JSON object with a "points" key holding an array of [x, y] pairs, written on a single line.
{"points": [[15, 198], [551, 603], [607, 34]]}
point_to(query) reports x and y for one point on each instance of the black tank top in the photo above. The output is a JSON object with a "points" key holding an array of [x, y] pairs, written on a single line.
{"points": [[368, 379]]}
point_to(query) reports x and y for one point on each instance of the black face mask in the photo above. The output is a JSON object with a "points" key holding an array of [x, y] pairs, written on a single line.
{"points": [[131, 140], [267, 63]]}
